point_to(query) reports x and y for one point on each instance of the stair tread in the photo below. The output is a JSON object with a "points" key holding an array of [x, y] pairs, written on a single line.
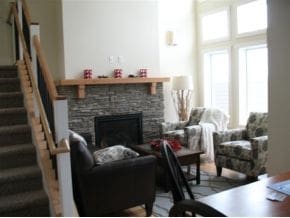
{"points": [[22, 200], [19, 173], [8, 67], [9, 79], [14, 128], [4, 150], [12, 110], [10, 94]]}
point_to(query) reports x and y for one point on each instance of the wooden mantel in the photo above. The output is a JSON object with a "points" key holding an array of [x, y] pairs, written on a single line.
{"points": [[82, 83]]}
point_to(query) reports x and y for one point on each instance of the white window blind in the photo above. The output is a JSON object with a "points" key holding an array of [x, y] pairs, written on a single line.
{"points": [[216, 81], [253, 81]]}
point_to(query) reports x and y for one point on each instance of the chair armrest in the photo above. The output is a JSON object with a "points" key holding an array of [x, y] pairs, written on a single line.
{"points": [[228, 135], [195, 207], [193, 136], [170, 126], [259, 147]]}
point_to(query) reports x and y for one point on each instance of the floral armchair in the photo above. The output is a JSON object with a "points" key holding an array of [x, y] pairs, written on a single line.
{"points": [[188, 133], [243, 150]]}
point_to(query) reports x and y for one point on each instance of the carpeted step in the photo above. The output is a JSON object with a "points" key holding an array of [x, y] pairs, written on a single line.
{"points": [[8, 72], [11, 99], [9, 85], [21, 179], [13, 116], [13, 156], [16, 134], [33, 203]]}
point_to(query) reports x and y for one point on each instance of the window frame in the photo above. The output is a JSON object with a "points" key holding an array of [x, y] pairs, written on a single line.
{"points": [[235, 22], [221, 39], [232, 44]]}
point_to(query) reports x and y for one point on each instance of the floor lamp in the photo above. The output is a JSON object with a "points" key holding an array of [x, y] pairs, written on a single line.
{"points": [[182, 87]]}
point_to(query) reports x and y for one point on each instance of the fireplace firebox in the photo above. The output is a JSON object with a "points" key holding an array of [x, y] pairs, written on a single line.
{"points": [[126, 129]]}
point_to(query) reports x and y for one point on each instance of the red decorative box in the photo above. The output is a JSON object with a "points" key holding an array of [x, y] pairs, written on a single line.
{"points": [[88, 74], [143, 73], [118, 73]]}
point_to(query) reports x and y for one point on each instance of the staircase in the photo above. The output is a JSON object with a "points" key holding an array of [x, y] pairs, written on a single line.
{"points": [[21, 188]]}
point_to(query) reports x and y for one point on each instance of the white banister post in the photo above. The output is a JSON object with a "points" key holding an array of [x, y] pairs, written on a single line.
{"points": [[34, 31], [19, 8], [63, 159]]}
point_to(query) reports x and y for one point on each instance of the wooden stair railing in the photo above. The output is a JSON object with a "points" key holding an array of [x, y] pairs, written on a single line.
{"points": [[60, 153]]}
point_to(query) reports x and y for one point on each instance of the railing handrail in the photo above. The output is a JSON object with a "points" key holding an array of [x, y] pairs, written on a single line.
{"points": [[26, 12], [52, 91], [51, 145]]}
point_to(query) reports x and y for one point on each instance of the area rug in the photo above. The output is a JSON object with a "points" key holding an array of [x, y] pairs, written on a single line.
{"points": [[209, 184]]}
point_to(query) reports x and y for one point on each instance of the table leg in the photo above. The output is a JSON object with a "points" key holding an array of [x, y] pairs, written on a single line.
{"points": [[198, 170]]}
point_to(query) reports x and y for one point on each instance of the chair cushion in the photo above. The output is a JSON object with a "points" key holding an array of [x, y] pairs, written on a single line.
{"points": [[195, 116], [177, 135], [257, 125], [236, 149], [113, 153]]}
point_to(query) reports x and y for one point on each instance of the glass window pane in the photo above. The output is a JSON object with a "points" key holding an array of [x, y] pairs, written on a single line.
{"points": [[215, 26], [252, 16], [216, 66], [253, 81]]}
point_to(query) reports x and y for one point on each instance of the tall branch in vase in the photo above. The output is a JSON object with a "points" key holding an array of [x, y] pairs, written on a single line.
{"points": [[181, 93]]}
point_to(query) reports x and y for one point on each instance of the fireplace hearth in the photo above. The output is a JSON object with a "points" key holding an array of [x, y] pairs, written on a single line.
{"points": [[124, 129]]}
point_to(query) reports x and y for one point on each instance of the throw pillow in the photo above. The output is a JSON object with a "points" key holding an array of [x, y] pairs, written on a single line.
{"points": [[75, 137], [113, 153]]}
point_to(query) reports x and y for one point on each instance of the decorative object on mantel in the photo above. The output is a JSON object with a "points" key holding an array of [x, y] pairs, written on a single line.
{"points": [[118, 73], [131, 76], [88, 73], [143, 73], [182, 87], [103, 76], [81, 83]]}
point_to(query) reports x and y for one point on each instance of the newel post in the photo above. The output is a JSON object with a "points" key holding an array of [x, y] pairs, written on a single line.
{"points": [[63, 159]]}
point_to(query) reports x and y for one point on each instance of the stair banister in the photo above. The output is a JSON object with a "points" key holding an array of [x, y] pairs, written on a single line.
{"points": [[60, 118]]}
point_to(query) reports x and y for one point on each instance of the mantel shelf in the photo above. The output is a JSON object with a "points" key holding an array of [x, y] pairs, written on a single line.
{"points": [[82, 83]]}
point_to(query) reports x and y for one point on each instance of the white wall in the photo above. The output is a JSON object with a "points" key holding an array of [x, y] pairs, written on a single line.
{"points": [[6, 49], [95, 30], [279, 80], [176, 16]]}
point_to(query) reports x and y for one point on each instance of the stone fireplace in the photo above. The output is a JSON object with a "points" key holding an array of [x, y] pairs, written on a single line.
{"points": [[115, 100]]}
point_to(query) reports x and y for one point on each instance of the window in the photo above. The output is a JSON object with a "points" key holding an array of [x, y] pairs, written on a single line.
{"points": [[216, 68], [253, 81], [252, 16], [233, 57], [215, 26]]}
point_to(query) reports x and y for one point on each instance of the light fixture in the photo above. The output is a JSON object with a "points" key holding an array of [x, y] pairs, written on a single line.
{"points": [[182, 87]]}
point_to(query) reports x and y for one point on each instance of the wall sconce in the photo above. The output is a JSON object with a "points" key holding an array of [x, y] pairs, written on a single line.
{"points": [[171, 38]]}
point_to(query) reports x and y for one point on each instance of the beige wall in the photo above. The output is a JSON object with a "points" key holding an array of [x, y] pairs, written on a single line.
{"points": [[177, 16], [6, 50], [46, 13], [95, 30], [279, 89]]}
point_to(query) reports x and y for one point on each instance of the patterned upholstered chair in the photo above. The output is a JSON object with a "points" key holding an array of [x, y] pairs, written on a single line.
{"points": [[243, 150], [187, 132]]}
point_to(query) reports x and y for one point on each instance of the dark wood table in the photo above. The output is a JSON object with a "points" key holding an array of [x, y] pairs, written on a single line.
{"points": [[185, 156], [250, 200]]}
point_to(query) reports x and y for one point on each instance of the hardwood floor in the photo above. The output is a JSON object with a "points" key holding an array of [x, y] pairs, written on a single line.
{"points": [[205, 166]]}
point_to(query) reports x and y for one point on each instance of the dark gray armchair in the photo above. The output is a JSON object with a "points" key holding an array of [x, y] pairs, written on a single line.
{"points": [[111, 187]]}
